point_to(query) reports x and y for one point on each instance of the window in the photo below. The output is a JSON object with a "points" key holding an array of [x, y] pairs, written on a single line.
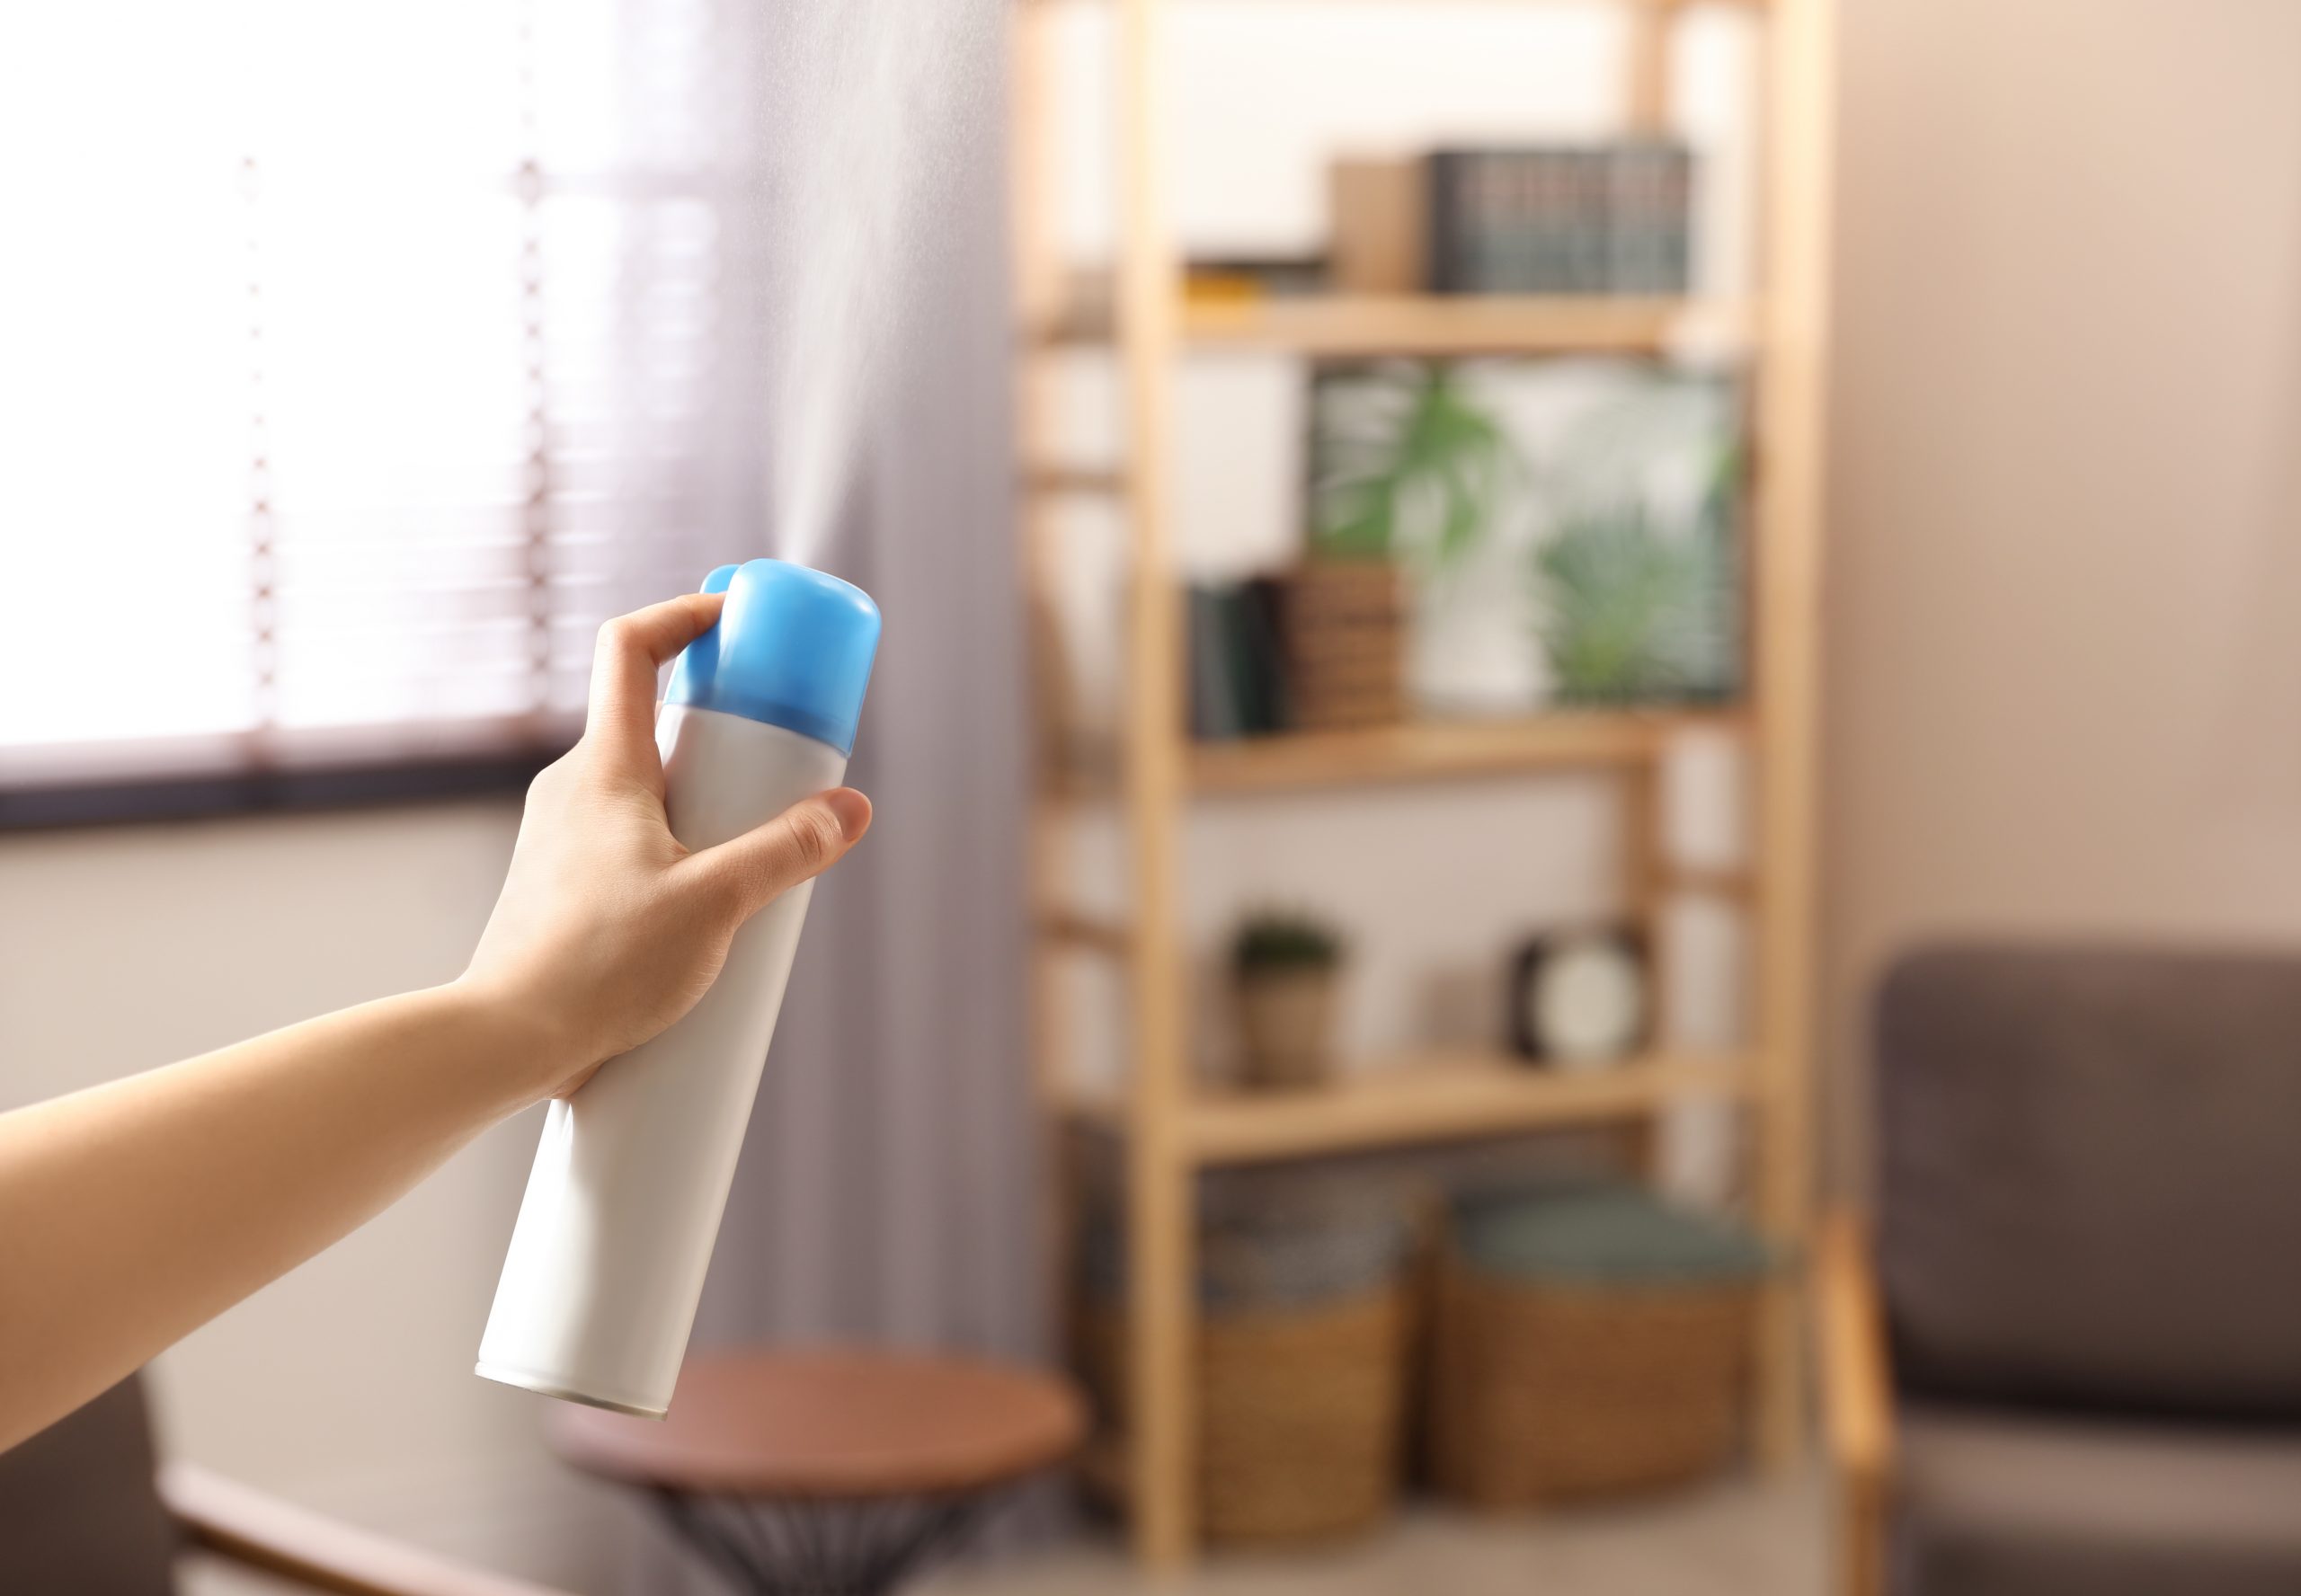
{"points": [[354, 363]]}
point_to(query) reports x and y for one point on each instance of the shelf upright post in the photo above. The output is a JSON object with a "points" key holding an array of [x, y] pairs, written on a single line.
{"points": [[1647, 85], [1789, 483], [1161, 1303], [1646, 65], [1647, 893]]}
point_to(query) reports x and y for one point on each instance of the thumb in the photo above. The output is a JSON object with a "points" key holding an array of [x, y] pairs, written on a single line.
{"points": [[807, 839]]}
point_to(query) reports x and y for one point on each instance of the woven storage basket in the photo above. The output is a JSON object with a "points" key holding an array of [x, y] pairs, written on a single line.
{"points": [[1549, 1386], [1302, 1355], [1301, 1417]]}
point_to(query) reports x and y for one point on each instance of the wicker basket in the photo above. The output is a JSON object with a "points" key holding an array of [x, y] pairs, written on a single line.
{"points": [[1301, 1413], [1551, 1386], [1344, 626]]}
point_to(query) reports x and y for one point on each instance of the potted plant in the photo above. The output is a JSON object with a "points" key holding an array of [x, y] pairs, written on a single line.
{"points": [[1285, 967]]}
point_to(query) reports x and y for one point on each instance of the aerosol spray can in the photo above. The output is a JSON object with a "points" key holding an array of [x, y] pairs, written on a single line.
{"points": [[607, 1264]]}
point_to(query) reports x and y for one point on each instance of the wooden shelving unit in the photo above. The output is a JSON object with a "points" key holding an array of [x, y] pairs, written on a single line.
{"points": [[1169, 1130]]}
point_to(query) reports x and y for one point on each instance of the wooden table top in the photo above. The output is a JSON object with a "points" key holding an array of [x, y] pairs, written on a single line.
{"points": [[833, 1423]]}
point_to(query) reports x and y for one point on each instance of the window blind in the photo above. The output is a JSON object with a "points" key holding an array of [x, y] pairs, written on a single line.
{"points": [[355, 362]]}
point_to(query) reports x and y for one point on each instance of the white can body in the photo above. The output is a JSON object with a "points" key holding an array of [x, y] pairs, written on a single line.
{"points": [[607, 1262]]}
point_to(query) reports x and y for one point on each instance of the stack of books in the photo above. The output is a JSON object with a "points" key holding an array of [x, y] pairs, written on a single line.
{"points": [[1320, 647], [1606, 218]]}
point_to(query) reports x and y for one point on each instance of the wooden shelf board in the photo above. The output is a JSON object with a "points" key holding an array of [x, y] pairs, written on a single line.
{"points": [[1733, 882], [1437, 325], [1627, 5], [1083, 480], [1438, 1096], [1428, 750], [1345, 325], [1093, 933], [1444, 1096]]}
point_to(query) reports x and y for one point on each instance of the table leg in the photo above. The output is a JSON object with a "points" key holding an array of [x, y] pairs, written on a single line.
{"points": [[765, 1546]]}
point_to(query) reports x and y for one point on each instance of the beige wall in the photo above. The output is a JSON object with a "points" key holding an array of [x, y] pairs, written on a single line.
{"points": [[348, 1384], [2065, 590]]}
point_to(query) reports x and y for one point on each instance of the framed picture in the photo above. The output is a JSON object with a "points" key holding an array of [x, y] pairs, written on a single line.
{"points": [[1571, 527]]}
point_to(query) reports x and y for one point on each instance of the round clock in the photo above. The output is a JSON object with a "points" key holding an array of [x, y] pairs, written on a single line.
{"points": [[1580, 999]]}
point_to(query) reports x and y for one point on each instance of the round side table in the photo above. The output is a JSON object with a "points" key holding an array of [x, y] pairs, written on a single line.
{"points": [[830, 1472]]}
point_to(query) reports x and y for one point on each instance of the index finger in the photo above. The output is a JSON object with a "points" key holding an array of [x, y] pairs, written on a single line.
{"points": [[632, 649]]}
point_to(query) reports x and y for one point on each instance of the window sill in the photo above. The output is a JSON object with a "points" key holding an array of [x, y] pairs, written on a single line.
{"points": [[275, 791]]}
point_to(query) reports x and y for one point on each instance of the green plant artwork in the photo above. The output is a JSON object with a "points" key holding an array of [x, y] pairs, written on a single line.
{"points": [[1410, 470], [1631, 611], [1571, 528]]}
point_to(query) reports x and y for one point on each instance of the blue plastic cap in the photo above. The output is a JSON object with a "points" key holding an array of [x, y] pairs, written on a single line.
{"points": [[793, 649], [703, 653]]}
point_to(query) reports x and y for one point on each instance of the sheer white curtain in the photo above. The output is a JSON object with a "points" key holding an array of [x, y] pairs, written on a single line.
{"points": [[888, 1189], [354, 363], [889, 1186]]}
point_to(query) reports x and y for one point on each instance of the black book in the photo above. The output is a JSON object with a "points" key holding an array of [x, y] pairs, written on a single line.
{"points": [[1210, 644], [1262, 650]]}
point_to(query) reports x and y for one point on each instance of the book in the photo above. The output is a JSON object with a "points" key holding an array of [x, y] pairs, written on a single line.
{"points": [[1238, 659], [1262, 648], [1375, 211], [1213, 704], [1649, 233], [1247, 280]]}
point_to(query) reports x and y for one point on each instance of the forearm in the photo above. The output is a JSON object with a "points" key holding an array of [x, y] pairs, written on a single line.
{"points": [[135, 1211]]}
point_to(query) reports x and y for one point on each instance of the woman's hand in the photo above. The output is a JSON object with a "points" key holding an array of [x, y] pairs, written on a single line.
{"points": [[608, 930]]}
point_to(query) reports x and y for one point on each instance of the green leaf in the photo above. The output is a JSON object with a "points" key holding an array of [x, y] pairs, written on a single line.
{"points": [[1629, 613], [1416, 477]]}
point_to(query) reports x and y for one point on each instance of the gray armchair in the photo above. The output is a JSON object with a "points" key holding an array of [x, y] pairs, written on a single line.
{"points": [[2067, 1356], [85, 1509]]}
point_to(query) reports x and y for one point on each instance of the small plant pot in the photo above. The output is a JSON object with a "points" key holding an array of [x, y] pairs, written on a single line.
{"points": [[1287, 1019]]}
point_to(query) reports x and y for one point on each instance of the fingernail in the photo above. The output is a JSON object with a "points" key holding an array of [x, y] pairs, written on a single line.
{"points": [[852, 809]]}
